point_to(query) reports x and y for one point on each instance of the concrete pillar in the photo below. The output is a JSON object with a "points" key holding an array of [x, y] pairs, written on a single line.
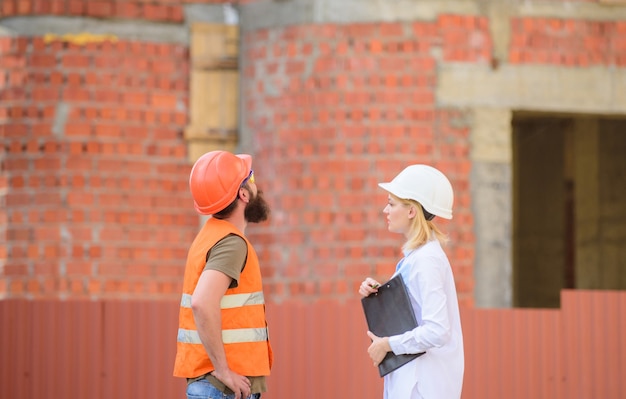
{"points": [[491, 205]]}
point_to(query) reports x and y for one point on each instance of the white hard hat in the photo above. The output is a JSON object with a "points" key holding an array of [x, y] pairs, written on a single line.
{"points": [[426, 185]]}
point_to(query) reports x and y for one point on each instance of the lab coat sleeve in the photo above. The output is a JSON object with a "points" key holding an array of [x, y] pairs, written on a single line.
{"points": [[434, 329]]}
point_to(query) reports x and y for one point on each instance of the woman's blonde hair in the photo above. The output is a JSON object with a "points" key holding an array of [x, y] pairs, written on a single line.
{"points": [[420, 230]]}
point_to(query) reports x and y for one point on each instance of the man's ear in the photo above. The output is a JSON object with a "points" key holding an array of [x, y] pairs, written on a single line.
{"points": [[244, 194]]}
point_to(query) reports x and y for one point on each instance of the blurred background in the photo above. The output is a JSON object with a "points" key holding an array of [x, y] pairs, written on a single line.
{"points": [[106, 104]]}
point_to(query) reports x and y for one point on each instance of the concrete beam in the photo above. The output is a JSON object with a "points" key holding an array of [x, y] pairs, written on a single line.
{"points": [[262, 14], [211, 13], [600, 90], [127, 30]]}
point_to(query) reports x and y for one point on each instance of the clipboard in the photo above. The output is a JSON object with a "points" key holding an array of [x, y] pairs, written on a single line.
{"points": [[389, 312]]}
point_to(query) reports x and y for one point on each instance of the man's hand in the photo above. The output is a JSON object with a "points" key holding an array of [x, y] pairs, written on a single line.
{"points": [[239, 384], [378, 349]]}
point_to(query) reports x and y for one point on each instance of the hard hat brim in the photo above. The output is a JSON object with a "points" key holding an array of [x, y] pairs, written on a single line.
{"points": [[397, 191]]}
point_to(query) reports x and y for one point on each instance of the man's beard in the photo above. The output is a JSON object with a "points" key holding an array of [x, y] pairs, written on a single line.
{"points": [[257, 209]]}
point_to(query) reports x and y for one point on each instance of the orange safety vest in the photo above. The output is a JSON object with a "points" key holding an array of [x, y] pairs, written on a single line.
{"points": [[244, 328]]}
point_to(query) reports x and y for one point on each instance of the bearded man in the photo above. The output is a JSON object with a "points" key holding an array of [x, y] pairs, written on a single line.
{"points": [[223, 349]]}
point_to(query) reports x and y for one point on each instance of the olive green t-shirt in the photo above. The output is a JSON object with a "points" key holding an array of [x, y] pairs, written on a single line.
{"points": [[229, 257]]}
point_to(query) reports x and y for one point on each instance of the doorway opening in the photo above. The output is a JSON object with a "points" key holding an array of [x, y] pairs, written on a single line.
{"points": [[569, 206]]}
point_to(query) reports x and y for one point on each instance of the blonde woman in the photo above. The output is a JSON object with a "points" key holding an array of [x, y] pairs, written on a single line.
{"points": [[418, 195]]}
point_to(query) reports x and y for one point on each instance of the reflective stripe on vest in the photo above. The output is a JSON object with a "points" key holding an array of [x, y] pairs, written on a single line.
{"points": [[231, 301], [228, 336]]}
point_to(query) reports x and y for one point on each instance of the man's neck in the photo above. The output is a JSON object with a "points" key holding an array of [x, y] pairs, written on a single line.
{"points": [[239, 221]]}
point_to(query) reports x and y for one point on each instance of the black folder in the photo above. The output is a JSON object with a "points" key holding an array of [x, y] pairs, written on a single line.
{"points": [[389, 312]]}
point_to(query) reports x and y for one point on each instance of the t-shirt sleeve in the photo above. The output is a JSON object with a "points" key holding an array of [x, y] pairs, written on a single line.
{"points": [[229, 257]]}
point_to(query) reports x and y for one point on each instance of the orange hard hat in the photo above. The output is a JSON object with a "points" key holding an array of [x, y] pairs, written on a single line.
{"points": [[215, 179]]}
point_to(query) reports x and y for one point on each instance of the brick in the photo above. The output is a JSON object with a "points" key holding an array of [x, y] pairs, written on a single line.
{"points": [[139, 270], [24, 7], [12, 61], [391, 29], [55, 78], [51, 252], [31, 112], [106, 96], [163, 100], [57, 7], [164, 118], [163, 66], [76, 129], [111, 269], [38, 44], [357, 270], [77, 287], [176, 13], [6, 45], [75, 61], [156, 12], [76, 94], [80, 199], [76, 7], [99, 8], [295, 67], [94, 286], [43, 94], [375, 46], [106, 62], [43, 60], [134, 98], [46, 233], [107, 130], [9, 7]]}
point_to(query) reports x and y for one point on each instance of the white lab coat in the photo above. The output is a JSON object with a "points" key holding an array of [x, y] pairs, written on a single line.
{"points": [[438, 374]]}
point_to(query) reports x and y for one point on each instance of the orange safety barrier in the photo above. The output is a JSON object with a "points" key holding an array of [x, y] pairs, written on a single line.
{"points": [[125, 349]]}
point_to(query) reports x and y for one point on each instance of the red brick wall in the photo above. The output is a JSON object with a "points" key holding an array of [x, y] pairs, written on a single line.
{"points": [[336, 109], [568, 43], [96, 203], [97, 200], [152, 10]]}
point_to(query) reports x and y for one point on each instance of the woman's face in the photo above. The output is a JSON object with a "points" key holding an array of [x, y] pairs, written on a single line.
{"points": [[399, 216]]}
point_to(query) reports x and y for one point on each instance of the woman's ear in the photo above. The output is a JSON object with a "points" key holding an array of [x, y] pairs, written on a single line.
{"points": [[412, 212]]}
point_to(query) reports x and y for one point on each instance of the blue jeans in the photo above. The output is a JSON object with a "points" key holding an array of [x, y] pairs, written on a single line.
{"points": [[202, 389]]}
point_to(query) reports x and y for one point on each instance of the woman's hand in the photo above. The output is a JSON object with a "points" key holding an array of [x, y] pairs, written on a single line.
{"points": [[368, 287], [378, 349]]}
